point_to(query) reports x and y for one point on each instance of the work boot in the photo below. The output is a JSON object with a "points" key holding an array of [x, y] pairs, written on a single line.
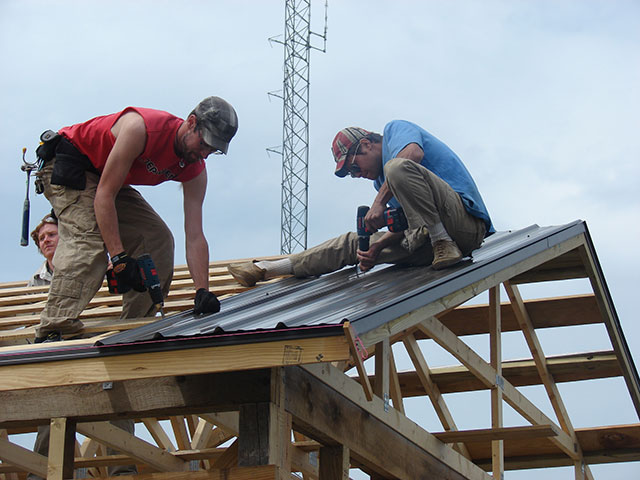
{"points": [[54, 336], [247, 274], [445, 254]]}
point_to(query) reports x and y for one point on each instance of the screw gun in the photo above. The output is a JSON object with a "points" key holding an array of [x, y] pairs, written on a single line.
{"points": [[150, 279], [394, 220]]}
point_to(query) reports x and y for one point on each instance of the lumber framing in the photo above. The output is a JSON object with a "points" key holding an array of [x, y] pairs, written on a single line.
{"points": [[230, 414]]}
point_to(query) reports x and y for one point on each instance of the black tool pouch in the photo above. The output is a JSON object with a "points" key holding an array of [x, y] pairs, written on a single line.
{"points": [[47, 149], [70, 166]]}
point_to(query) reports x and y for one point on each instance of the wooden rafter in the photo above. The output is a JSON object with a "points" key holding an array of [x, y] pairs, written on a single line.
{"points": [[446, 339], [208, 397], [582, 470], [437, 400]]}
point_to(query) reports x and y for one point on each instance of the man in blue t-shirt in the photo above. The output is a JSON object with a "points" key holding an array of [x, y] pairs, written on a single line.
{"points": [[411, 169]]}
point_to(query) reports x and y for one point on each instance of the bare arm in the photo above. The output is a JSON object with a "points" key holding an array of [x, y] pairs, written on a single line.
{"points": [[131, 136], [374, 218], [196, 243]]}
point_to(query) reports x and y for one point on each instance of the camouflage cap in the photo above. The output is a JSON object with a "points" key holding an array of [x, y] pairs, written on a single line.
{"points": [[218, 121]]}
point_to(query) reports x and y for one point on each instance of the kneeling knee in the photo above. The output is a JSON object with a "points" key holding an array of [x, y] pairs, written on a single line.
{"points": [[396, 167]]}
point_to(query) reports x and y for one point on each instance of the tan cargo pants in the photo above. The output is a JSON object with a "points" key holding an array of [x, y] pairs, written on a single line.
{"points": [[80, 260], [426, 200]]}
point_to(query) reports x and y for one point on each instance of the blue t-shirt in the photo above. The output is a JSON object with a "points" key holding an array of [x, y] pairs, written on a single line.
{"points": [[439, 159]]}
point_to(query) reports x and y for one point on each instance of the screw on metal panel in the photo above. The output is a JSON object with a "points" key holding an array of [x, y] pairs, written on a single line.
{"points": [[107, 385], [500, 381], [386, 402]]}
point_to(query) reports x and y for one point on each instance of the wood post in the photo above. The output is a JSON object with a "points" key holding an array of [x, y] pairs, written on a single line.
{"points": [[382, 352], [62, 442], [334, 463], [495, 342], [265, 431]]}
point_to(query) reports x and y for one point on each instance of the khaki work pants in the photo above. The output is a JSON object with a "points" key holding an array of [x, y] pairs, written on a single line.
{"points": [[80, 264], [426, 200], [80, 261]]}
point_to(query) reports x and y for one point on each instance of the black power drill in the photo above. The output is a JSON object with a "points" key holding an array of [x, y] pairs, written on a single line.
{"points": [[150, 279], [394, 220]]}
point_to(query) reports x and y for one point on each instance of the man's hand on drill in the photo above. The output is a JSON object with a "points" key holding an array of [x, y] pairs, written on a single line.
{"points": [[128, 273], [375, 217], [367, 259], [206, 302]]}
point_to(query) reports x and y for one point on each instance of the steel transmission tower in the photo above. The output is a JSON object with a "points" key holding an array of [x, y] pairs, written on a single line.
{"points": [[295, 134]]}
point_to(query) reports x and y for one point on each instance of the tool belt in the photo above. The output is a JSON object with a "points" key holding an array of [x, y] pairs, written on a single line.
{"points": [[70, 165]]}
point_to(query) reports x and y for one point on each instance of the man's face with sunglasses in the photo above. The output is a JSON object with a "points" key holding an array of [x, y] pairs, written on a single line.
{"points": [[364, 161]]}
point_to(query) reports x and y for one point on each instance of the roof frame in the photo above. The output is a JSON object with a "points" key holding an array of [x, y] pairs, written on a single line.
{"points": [[199, 416]]}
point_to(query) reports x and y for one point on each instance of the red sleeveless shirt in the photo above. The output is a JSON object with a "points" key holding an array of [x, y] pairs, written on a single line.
{"points": [[158, 162]]}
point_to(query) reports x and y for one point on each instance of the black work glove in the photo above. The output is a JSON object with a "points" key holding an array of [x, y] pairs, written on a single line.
{"points": [[206, 302], [127, 273]]}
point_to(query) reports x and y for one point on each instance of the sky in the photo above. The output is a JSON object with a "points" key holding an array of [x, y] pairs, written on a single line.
{"points": [[539, 98]]}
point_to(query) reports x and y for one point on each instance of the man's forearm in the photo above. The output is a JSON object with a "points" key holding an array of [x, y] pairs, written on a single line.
{"points": [[383, 196], [107, 220], [198, 262]]}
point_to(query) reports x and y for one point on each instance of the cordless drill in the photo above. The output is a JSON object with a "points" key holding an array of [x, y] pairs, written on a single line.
{"points": [[150, 280], [394, 220]]}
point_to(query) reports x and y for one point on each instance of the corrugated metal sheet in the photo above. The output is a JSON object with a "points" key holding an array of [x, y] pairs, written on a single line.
{"points": [[367, 301]]}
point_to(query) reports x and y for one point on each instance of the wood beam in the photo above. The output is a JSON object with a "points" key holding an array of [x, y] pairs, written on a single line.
{"points": [[503, 433], [177, 362], [22, 458], [394, 384], [565, 311], [359, 354], [446, 339], [436, 398], [230, 421], [154, 397], [180, 432], [331, 408], [564, 267], [202, 435], [158, 434], [617, 443], [520, 373], [133, 446]]}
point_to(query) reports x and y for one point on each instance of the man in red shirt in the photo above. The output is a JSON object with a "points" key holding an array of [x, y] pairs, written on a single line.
{"points": [[87, 178]]}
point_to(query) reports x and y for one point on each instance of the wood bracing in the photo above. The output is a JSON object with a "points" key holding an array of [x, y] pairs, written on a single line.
{"points": [[242, 412]]}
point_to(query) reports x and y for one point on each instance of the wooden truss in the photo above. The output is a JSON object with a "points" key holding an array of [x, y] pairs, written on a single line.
{"points": [[254, 412]]}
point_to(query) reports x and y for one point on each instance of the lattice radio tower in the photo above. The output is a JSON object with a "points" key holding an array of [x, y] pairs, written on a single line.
{"points": [[295, 131]]}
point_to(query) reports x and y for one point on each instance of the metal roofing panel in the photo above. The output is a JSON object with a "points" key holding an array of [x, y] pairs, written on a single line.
{"points": [[366, 300]]}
